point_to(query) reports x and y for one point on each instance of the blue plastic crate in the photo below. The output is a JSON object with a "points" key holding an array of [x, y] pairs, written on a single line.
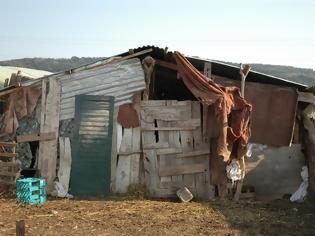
{"points": [[33, 199], [31, 191], [25, 193], [30, 182]]}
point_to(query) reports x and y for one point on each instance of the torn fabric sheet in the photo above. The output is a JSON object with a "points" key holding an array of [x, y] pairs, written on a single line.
{"points": [[228, 105]]}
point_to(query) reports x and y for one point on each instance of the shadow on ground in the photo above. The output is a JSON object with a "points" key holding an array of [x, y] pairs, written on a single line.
{"points": [[280, 217]]}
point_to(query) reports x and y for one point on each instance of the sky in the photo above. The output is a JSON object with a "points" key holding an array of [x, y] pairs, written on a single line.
{"points": [[257, 31]]}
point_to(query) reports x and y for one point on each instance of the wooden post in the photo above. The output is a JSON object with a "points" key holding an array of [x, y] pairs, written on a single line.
{"points": [[207, 70], [244, 70], [47, 153], [20, 228], [148, 64]]}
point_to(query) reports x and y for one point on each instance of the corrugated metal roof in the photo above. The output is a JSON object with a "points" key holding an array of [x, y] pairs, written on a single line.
{"points": [[120, 79], [220, 68]]}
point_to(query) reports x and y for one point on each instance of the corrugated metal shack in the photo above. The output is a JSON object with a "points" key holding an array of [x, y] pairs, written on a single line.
{"points": [[132, 119]]}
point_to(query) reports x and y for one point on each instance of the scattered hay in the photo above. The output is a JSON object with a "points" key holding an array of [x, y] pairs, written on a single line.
{"points": [[121, 216]]}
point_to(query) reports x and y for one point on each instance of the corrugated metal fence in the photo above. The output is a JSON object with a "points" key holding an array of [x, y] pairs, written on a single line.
{"points": [[121, 79]]}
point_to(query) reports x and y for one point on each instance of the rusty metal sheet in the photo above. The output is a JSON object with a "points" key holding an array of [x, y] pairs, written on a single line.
{"points": [[274, 109], [128, 116]]}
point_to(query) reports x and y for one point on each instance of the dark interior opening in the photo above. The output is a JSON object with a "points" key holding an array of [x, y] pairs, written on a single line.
{"points": [[2, 104], [31, 171], [166, 86]]}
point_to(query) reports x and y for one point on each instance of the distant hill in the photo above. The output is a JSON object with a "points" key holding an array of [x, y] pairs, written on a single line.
{"points": [[305, 76], [295, 74], [50, 64]]}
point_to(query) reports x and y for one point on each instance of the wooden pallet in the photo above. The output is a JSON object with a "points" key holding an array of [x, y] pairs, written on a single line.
{"points": [[9, 170]]}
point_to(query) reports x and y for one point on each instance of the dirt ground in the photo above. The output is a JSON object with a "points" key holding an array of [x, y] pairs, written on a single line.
{"points": [[126, 216]]}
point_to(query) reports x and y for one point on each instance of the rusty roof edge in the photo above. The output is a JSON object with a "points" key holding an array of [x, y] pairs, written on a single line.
{"points": [[251, 71]]}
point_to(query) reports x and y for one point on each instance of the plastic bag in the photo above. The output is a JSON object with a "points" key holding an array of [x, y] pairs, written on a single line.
{"points": [[300, 194], [233, 171]]}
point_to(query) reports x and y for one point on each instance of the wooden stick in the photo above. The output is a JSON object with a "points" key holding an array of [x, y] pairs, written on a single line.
{"points": [[207, 69], [240, 182], [7, 154], [8, 144], [14, 148], [244, 70], [8, 91], [119, 59], [168, 128], [20, 228], [36, 137]]}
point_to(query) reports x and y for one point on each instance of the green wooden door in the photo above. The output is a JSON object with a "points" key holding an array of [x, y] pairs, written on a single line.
{"points": [[92, 146]]}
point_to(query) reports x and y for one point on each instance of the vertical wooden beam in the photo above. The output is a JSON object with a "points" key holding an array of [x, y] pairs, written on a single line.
{"points": [[6, 82], [207, 69], [47, 158], [114, 150], [148, 64], [152, 86], [136, 142], [244, 70], [38, 161]]}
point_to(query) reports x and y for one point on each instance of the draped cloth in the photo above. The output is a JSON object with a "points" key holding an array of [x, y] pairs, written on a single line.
{"points": [[20, 103], [231, 111]]}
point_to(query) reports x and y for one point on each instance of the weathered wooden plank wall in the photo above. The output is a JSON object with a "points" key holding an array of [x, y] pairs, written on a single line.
{"points": [[128, 161], [127, 156], [175, 154]]}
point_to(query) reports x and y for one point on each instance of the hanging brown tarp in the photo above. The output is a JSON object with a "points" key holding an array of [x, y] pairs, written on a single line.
{"points": [[232, 112], [20, 103]]}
